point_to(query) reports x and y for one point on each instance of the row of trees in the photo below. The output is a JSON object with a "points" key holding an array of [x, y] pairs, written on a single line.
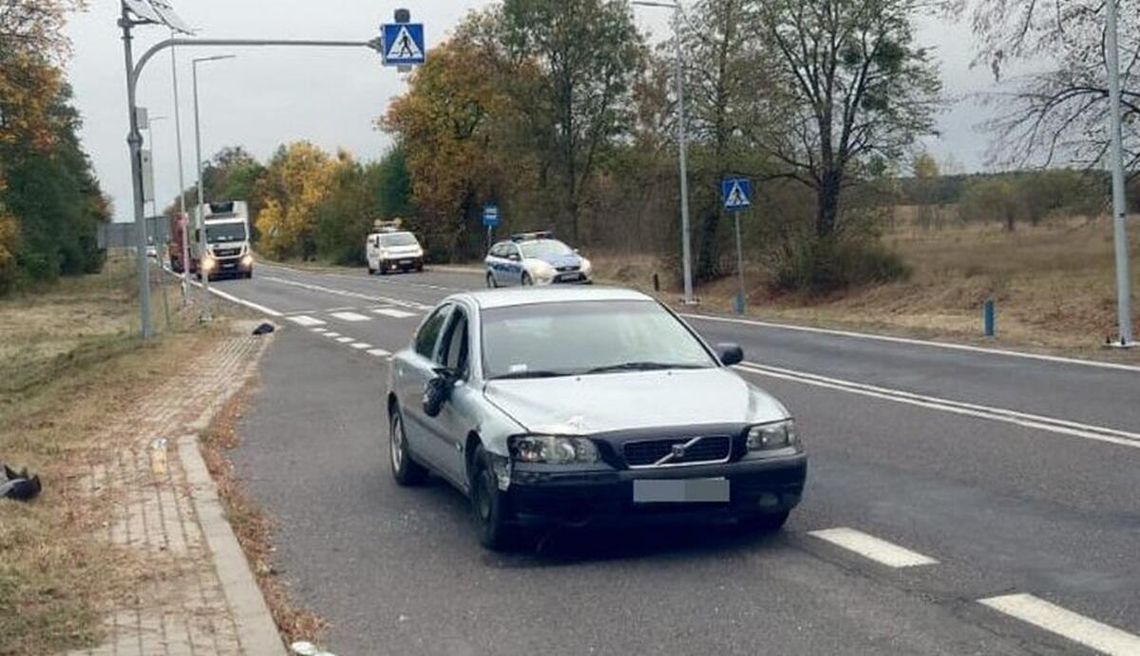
{"points": [[50, 201], [559, 111]]}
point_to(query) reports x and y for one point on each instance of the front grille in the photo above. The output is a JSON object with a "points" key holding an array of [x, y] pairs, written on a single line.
{"points": [[646, 453], [227, 252], [573, 267]]}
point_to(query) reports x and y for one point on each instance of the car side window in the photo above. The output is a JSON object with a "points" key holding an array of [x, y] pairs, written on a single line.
{"points": [[497, 250], [513, 252], [453, 355], [429, 332]]}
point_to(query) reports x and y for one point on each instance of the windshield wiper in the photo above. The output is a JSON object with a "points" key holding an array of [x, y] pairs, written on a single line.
{"points": [[642, 366], [537, 373]]}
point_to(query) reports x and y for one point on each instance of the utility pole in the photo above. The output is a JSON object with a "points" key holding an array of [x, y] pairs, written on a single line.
{"points": [[184, 219], [1119, 207], [200, 219], [134, 141], [682, 147]]}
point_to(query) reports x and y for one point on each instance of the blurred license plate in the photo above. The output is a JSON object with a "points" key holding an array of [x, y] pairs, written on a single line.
{"points": [[693, 490], [405, 262], [570, 277]]}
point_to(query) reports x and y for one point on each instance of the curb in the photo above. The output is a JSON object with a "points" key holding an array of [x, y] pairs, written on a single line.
{"points": [[256, 629]]}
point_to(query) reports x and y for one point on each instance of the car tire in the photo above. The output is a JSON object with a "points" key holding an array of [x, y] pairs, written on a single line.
{"points": [[371, 271], [491, 283], [765, 522], [526, 280], [405, 470], [489, 506]]}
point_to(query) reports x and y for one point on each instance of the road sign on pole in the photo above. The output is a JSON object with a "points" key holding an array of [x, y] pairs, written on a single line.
{"points": [[491, 221], [737, 196], [404, 44], [736, 193]]}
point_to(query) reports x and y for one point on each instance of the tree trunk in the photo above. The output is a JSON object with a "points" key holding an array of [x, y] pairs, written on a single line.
{"points": [[708, 259], [827, 203]]}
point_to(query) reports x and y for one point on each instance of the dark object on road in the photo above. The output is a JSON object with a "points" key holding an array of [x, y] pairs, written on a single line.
{"points": [[19, 486], [263, 329]]}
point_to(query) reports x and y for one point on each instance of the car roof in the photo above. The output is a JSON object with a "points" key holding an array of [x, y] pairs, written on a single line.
{"points": [[497, 298]]}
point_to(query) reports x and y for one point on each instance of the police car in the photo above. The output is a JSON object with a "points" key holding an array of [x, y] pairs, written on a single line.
{"points": [[535, 258]]}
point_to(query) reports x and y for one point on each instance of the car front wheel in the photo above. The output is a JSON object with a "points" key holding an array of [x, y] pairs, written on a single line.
{"points": [[491, 284], [406, 471], [526, 280], [489, 506]]}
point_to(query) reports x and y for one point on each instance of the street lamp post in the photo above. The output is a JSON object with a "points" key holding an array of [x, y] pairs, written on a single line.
{"points": [[1119, 208], [205, 314], [686, 250]]}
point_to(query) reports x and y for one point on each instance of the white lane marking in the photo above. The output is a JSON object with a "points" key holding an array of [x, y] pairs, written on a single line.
{"points": [[345, 340], [360, 346], [350, 316], [341, 292], [1039, 422], [320, 330], [395, 314], [917, 342], [304, 320], [380, 353], [240, 301], [871, 547], [332, 334], [1055, 619], [389, 280]]}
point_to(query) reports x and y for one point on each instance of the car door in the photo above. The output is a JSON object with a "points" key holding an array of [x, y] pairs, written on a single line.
{"points": [[494, 262], [372, 251], [414, 372], [514, 269], [458, 415]]}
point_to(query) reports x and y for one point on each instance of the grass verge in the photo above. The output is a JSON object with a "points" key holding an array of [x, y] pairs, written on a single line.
{"points": [[252, 526], [70, 360]]}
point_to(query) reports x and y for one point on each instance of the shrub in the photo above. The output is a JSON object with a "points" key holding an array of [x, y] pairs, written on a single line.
{"points": [[820, 266]]}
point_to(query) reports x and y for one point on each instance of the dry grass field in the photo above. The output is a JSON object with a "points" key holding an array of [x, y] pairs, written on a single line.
{"points": [[1054, 285]]}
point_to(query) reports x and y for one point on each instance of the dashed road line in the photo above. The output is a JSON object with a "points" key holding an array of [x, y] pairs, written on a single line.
{"points": [[320, 330], [380, 353], [1039, 422], [1065, 623], [345, 340], [349, 316], [307, 321], [873, 548], [332, 334], [394, 313], [360, 346], [343, 292]]}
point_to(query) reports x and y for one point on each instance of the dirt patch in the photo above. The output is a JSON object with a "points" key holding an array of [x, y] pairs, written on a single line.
{"points": [[252, 526]]}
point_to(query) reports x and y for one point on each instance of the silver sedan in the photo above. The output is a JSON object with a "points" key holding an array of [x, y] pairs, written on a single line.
{"points": [[574, 406]]}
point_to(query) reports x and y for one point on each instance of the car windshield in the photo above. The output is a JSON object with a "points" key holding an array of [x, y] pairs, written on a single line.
{"points": [[398, 239], [223, 232], [544, 248], [586, 337]]}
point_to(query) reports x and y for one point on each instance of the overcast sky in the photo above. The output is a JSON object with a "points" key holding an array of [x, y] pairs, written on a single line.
{"points": [[269, 96]]}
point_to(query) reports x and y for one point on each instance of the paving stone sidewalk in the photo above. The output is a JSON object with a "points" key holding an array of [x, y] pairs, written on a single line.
{"points": [[198, 595]]}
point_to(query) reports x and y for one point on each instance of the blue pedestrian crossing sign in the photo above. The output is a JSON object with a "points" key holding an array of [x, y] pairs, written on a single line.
{"points": [[736, 193], [491, 216], [404, 44]]}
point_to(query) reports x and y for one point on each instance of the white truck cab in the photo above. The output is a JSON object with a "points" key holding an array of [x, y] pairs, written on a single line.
{"points": [[228, 248], [391, 249]]}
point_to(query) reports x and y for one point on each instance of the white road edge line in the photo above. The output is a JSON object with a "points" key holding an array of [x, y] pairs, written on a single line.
{"points": [[1039, 422], [873, 548], [1065, 623], [249, 304], [917, 342]]}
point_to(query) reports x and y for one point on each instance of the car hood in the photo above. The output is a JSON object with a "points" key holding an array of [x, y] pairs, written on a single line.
{"points": [[557, 261], [629, 400]]}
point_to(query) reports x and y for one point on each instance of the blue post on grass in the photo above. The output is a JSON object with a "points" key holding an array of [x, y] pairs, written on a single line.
{"points": [[989, 318]]}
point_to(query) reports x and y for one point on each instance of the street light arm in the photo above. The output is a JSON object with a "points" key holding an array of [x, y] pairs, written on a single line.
{"points": [[373, 44]]}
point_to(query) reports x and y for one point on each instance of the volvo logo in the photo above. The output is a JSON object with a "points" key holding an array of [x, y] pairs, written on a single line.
{"points": [[678, 451]]}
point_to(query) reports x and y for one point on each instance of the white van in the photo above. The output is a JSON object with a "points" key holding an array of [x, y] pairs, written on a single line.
{"points": [[395, 250]]}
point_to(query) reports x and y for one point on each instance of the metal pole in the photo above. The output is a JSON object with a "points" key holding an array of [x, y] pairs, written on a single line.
{"points": [[134, 140], [1119, 209], [205, 314], [181, 179], [739, 262], [686, 251]]}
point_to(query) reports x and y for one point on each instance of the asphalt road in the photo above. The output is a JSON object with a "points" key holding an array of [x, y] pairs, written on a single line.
{"points": [[1013, 481]]}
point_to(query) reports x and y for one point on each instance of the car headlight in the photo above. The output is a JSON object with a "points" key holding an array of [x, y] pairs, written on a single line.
{"points": [[553, 450], [772, 436], [247, 260], [587, 267], [542, 270]]}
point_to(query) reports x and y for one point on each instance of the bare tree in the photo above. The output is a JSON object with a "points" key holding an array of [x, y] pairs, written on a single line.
{"points": [[858, 91]]}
